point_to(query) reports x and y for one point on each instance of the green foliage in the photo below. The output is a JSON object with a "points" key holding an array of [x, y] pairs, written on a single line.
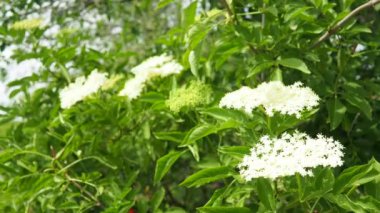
{"points": [[173, 149], [206, 176], [164, 164]]}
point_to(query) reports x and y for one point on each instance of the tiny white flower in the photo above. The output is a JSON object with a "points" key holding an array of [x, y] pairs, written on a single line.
{"points": [[116, 30], [81, 88], [133, 88], [359, 48], [290, 154], [274, 96], [161, 66], [242, 98]]}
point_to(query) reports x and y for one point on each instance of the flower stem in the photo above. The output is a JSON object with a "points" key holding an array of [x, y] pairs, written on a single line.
{"points": [[314, 205]]}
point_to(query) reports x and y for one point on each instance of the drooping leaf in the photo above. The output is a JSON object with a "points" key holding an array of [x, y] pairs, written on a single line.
{"points": [[208, 175], [357, 175], [198, 132], [225, 114], [316, 186], [165, 163], [216, 197], [260, 68], [193, 61], [361, 103], [336, 112], [276, 75], [361, 205], [173, 136], [373, 188], [163, 3], [157, 199], [235, 151], [294, 63], [220, 209], [188, 15], [266, 193]]}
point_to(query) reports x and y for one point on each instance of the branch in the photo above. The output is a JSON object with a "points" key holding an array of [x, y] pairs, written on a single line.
{"points": [[82, 190], [341, 23], [229, 11], [263, 19]]}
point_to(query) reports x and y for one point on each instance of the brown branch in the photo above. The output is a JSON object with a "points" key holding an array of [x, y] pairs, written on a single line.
{"points": [[342, 22]]}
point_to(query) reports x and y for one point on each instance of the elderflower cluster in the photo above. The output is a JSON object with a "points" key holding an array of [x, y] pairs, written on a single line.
{"points": [[194, 95], [290, 154], [274, 96], [27, 24], [81, 88], [162, 66]]}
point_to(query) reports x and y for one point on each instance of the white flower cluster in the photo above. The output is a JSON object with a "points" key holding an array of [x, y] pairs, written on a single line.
{"points": [[274, 96], [81, 88], [290, 154], [15, 71], [162, 66], [43, 15]]}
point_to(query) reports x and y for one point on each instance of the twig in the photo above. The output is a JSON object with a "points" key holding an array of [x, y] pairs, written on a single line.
{"points": [[342, 22], [91, 196], [263, 18], [314, 205], [229, 11]]}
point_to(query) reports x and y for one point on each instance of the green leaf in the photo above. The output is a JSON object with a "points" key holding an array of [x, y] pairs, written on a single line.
{"points": [[316, 186], [7, 154], [163, 3], [261, 67], [294, 63], [164, 164], [193, 61], [344, 202], [216, 197], [221, 209], [360, 205], [225, 114], [369, 203], [276, 75], [298, 13], [358, 29], [228, 125], [361, 103], [237, 152], [336, 112], [196, 33], [152, 97], [266, 193], [357, 175], [188, 15], [66, 53], [208, 175], [194, 151], [373, 188], [173, 136], [175, 210], [198, 132], [158, 197]]}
